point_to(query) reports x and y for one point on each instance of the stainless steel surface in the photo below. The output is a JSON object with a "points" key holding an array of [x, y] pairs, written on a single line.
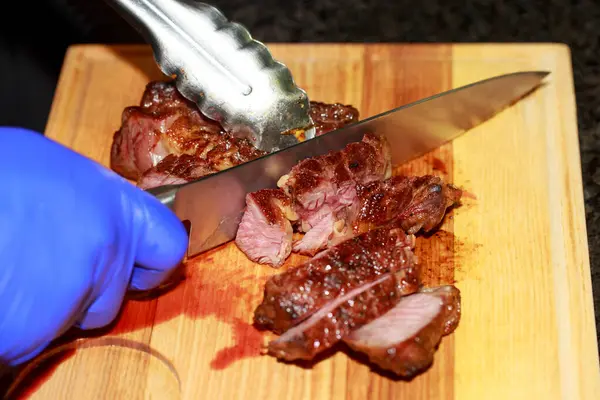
{"points": [[214, 204], [232, 77]]}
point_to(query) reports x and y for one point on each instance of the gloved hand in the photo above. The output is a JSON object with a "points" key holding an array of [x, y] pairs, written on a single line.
{"points": [[74, 236]]}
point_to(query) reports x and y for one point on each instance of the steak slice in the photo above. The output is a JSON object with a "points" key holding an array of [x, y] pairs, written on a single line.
{"points": [[323, 187], [328, 117], [265, 231], [333, 178], [175, 170], [431, 197], [412, 203], [166, 123], [337, 319], [404, 339], [294, 295], [324, 179]]}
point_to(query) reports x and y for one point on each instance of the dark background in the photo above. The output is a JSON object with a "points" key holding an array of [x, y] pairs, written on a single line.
{"points": [[35, 35]]}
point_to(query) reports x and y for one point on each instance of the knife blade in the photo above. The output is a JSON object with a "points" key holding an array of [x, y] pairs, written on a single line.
{"points": [[212, 206]]}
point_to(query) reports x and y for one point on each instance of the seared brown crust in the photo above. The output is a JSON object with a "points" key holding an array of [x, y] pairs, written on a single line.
{"points": [[314, 179], [328, 117], [429, 204], [159, 96], [175, 170], [164, 123], [414, 203], [413, 355], [271, 203], [167, 123], [183, 166], [295, 294], [371, 154], [305, 341]]}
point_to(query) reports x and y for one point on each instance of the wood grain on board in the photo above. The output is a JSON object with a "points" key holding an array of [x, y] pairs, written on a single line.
{"points": [[516, 248]]}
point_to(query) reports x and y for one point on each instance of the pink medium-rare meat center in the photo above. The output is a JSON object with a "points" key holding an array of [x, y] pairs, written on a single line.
{"points": [[334, 197]]}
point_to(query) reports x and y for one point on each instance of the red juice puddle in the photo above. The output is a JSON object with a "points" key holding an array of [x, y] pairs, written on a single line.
{"points": [[204, 290], [228, 296], [248, 344]]}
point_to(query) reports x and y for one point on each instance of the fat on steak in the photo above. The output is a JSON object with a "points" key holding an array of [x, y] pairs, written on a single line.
{"points": [[404, 340], [167, 124], [293, 296]]}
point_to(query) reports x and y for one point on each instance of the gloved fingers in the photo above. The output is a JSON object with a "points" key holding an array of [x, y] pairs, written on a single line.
{"points": [[106, 307], [163, 239]]}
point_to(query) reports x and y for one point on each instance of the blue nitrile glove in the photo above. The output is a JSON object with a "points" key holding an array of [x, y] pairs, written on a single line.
{"points": [[71, 231]]}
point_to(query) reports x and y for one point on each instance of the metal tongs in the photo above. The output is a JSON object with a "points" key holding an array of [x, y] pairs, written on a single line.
{"points": [[217, 64]]}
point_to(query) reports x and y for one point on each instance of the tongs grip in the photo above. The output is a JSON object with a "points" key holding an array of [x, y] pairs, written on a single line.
{"points": [[233, 78]]}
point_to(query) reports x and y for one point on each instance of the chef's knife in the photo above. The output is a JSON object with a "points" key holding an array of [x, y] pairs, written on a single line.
{"points": [[214, 205]]}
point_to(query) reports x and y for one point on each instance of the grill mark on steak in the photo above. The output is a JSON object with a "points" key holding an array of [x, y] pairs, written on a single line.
{"points": [[265, 231], [166, 123], [333, 322], [404, 339], [292, 296]]}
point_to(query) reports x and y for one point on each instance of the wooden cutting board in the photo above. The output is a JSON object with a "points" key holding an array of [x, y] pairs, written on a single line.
{"points": [[516, 248]]}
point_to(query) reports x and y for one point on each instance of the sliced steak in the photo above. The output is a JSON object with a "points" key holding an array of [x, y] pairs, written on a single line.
{"points": [[216, 154], [265, 231], [411, 202], [431, 197], [175, 170], [328, 117], [333, 178], [294, 295], [166, 123], [323, 187], [404, 339], [338, 318], [324, 179]]}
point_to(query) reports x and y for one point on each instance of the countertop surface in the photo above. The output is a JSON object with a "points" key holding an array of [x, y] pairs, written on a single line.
{"points": [[34, 64]]}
